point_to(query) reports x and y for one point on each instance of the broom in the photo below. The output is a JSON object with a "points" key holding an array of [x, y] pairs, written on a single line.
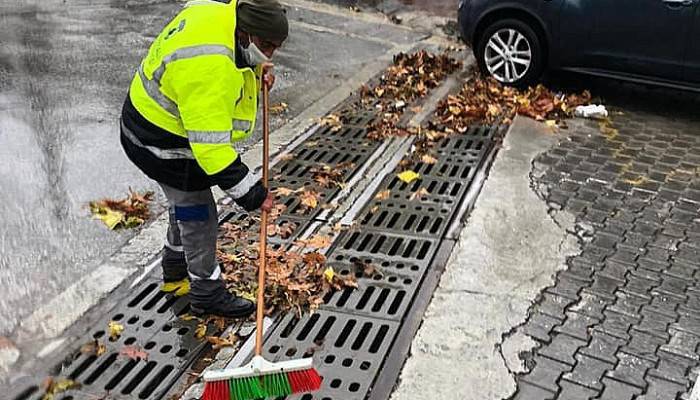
{"points": [[260, 378]]}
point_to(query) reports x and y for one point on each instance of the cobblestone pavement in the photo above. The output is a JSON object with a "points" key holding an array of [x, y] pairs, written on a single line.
{"points": [[623, 320]]}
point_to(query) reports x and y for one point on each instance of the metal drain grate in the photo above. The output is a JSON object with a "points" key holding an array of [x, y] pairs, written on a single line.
{"points": [[390, 247], [150, 319], [385, 291], [406, 217], [439, 191], [347, 349], [251, 228]]}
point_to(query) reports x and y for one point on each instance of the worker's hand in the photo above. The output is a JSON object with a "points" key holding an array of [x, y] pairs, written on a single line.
{"points": [[268, 75], [269, 202]]}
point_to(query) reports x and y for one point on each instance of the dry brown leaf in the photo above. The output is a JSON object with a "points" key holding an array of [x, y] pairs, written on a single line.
{"points": [[309, 198], [53, 386], [94, 348], [419, 193], [278, 108], [283, 191], [383, 195], [220, 342], [428, 159], [133, 352], [315, 242]]}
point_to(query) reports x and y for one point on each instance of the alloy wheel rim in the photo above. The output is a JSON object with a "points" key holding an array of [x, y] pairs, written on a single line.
{"points": [[508, 55]]}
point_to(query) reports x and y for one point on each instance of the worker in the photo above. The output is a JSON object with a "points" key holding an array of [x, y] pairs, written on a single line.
{"points": [[194, 95]]}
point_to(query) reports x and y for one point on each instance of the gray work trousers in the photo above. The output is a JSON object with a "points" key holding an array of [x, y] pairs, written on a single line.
{"points": [[193, 229]]}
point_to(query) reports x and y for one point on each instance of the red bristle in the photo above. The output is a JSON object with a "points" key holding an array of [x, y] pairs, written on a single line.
{"points": [[304, 381], [217, 390]]}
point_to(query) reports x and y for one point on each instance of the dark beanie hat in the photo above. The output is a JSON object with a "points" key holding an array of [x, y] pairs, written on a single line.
{"points": [[265, 19]]}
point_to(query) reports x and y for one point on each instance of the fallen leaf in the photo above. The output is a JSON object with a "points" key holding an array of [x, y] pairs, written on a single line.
{"points": [[328, 273], [201, 330], [52, 387], [133, 353], [550, 123], [278, 108], [428, 159], [315, 242], [309, 198], [220, 342], [283, 191], [115, 330], [94, 347], [383, 195], [110, 217], [419, 193], [408, 176]]}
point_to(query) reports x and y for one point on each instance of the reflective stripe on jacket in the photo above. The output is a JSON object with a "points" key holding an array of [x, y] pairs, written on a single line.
{"points": [[189, 84]]}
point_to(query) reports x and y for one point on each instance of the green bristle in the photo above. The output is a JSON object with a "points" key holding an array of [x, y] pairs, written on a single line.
{"points": [[246, 389], [277, 385]]}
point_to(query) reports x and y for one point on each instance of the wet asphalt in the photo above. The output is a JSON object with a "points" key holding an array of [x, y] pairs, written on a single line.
{"points": [[65, 67]]}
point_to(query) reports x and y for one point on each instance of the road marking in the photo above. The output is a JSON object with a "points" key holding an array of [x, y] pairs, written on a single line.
{"points": [[325, 29]]}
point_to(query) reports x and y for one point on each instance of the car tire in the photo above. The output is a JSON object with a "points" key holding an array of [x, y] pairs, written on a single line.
{"points": [[525, 47]]}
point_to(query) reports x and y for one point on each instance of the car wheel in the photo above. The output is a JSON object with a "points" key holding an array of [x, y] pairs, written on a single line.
{"points": [[511, 52]]}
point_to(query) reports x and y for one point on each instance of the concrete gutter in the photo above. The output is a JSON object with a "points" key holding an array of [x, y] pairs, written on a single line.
{"points": [[468, 346]]}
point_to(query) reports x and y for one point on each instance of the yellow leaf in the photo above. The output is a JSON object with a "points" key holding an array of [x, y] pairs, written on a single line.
{"points": [[329, 274], [278, 108], [110, 217], [551, 123], [54, 387], [383, 195], [201, 331], [408, 176], [115, 329], [427, 159]]}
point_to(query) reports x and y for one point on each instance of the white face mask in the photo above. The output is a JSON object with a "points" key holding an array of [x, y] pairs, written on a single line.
{"points": [[252, 54]]}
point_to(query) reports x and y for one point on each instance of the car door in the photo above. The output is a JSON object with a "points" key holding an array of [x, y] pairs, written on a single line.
{"points": [[692, 55], [639, 37]]}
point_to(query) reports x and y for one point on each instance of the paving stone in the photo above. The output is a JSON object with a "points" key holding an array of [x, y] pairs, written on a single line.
{"points": [[590, 305], [581, 269], [577, 325], [588, 371], [539, 326], [572, 391], [643, 345], [603, 346], [673, 368], [682, 270], [616, 270], [639, 285], [660, 389], [567, 285], [628, 303], [552, 304], [617, 324], [673, 284], [688, 322], [626, 255], [615, 390], [630, 369], [605, 286], [546, 373], [636, 239], [655, 322], [682, 343], [527, 391], [562, 348]]}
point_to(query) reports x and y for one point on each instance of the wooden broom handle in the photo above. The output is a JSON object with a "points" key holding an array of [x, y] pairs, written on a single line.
{"points": [[262, 257]]}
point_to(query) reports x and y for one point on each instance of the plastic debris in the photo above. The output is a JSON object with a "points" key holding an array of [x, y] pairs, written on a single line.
{"points": [[595, 111]]}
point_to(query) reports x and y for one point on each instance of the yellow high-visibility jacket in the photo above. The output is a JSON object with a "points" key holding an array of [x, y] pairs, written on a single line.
{"points": [[189, 102]]}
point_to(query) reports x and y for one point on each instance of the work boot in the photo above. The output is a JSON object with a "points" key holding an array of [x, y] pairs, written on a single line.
{"points": [[211, 297], [175, 277]]}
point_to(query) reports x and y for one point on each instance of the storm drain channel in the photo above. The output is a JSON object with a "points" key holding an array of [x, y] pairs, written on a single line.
{"points": [[359, 338]]}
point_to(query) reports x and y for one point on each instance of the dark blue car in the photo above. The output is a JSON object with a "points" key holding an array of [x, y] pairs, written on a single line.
{"points": [[650, 41]]}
